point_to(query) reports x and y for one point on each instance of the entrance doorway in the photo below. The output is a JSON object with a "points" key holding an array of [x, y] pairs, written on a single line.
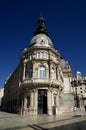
{"points": [[42, 101]]}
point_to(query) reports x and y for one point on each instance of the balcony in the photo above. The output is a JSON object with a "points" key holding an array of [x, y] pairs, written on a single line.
{"points": [[42, 82]]}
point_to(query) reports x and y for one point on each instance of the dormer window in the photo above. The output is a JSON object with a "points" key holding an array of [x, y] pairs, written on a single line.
{"points": [[42, 43]]}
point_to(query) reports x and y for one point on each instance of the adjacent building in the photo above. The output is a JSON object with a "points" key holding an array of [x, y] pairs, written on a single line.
{"points": [[41, 83], [79, 90]]}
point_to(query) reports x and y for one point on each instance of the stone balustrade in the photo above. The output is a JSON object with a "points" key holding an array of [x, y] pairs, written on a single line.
{"points": [[36, 81]]}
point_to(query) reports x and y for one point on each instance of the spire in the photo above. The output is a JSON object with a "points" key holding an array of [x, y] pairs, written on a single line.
{"points": [[41, 27]]}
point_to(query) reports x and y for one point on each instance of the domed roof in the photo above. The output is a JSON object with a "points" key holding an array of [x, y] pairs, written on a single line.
{"points": [[78, 72], [41, 37], [41, 40]]}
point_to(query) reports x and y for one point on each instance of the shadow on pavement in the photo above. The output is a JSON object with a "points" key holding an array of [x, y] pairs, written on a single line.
{"points": [[15, 128], [73, 126]]}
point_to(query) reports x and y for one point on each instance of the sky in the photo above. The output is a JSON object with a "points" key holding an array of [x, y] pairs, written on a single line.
{"points": [[65, 22]]}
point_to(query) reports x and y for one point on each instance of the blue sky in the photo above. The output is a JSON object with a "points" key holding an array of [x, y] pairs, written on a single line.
{"points": [[65, 22]]}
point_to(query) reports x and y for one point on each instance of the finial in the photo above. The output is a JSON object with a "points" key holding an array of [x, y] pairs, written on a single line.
{"points": [[41, 27], [41, 14]]}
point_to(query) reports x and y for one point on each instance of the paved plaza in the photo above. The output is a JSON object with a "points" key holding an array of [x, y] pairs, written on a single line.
{"points": [[66, 121]]}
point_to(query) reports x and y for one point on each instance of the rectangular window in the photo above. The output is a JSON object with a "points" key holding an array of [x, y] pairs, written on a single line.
{"points": [[41, 55], [38, 55], [45, 55]]}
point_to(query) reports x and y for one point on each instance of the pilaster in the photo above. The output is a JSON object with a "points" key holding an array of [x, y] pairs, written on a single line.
{"points": [[35, 101], [49, 101], [24, 70], [25, 111], [32, 102]]}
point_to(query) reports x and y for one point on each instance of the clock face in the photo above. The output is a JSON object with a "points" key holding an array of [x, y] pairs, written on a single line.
{"points": [[42, 43]]}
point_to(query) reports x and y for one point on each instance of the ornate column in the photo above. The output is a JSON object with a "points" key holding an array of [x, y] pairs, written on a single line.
{"points": [[35, 101], [31, 102], [49, 101], [52, 98], [57, 103], [25, 61], [22, 104], [25, 106], [31, 98], [57, 99]]}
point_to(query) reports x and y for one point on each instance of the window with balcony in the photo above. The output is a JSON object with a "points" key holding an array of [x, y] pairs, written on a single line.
{"points": [[41, 72]]}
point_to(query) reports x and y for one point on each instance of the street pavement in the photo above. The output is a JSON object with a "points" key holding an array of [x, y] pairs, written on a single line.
{"points": [[65, 121]]}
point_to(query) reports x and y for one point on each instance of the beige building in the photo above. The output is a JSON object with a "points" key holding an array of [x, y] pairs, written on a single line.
{"points": [[1, 95], [79, 90], [41, 83]]}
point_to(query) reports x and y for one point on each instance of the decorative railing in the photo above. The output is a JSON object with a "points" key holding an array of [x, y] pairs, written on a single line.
{"points": [[40, 81]]}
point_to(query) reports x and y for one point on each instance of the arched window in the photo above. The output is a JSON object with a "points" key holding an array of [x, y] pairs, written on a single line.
{"points": [[41, 72]]}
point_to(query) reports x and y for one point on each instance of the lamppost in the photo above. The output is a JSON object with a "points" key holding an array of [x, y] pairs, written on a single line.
{"points": [[76, 98], [76, 84], [81, 100]]}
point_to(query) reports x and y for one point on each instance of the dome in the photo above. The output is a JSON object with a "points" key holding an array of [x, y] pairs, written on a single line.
{"points": [[78, 72], [41, 37], [41, 40]]}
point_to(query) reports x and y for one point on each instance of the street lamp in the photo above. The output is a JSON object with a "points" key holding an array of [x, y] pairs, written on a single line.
{"points": [[75, 84], [76, 98]]}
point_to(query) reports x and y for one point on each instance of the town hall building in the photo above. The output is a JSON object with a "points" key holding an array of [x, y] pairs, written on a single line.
{"points": [[41, 83]]}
